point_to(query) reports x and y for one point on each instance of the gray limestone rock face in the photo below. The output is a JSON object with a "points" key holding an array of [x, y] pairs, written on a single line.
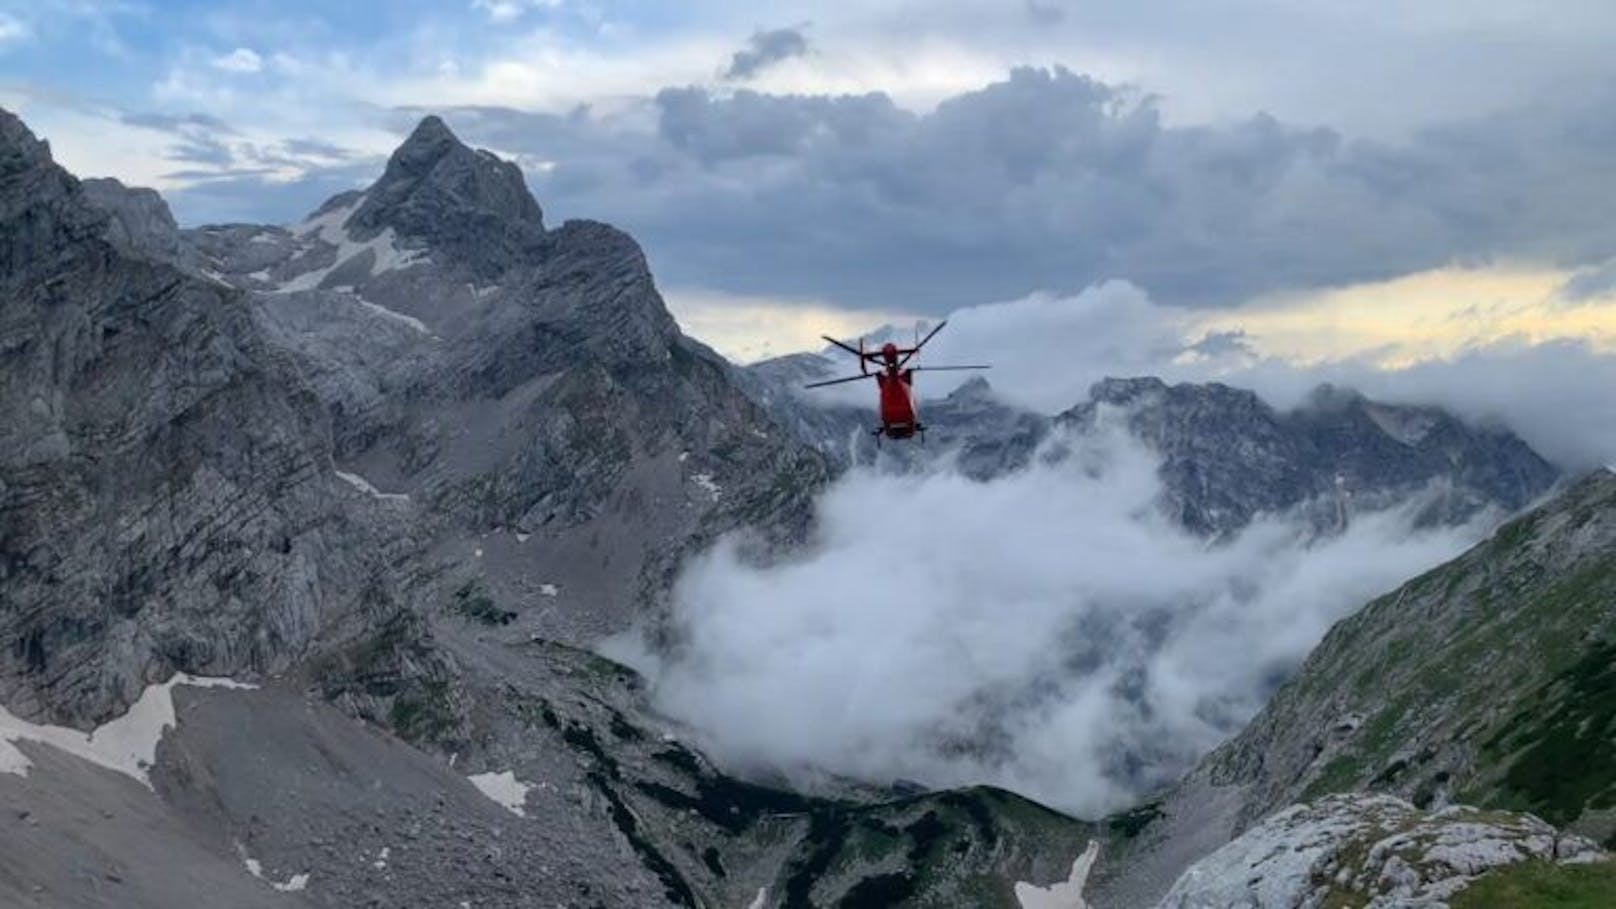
{"points": [[166, 494], [1366, 850], [531, 395], [139, 223]]}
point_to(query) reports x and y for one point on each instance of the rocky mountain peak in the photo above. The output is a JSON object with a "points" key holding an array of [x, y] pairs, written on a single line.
{"points": [[975, 388], [1334, 397], [1113, 390], [457, 200], [19, 148]]}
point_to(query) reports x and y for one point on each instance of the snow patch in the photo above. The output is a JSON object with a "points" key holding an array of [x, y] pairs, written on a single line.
{"points": [[12, 760], [294, 884], [360, 483], [216, 277], [523, 537], [503, 788], [757, 901], [549, 590], [705, 481], [1067, 894], [127, 744], [331, 228]]}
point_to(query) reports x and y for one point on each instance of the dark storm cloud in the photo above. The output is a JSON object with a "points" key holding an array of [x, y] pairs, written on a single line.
{"points": [[1050, 180], [764, 49]]}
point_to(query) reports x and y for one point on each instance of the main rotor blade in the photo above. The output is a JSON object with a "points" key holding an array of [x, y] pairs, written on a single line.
{"points": [[838, 381], [922, 342], [935, 368], [847, 347]]}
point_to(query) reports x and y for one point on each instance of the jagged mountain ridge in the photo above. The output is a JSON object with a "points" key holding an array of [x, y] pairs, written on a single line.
{"points": [[1227, 456]]}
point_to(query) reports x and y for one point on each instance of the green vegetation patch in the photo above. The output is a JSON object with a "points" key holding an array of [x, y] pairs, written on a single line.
{"points": [[474, 603], [879, 892], [1564, 742], [424, 712], [1133, 822], [1542, 885]]}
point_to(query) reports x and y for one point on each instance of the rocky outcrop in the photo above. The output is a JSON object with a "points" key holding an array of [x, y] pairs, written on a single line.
{"points": [[139, 224], [1373, 851]]}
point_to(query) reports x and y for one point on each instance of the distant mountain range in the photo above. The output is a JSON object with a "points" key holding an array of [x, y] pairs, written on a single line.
{"points": [[394, 466], [1226, 455]]}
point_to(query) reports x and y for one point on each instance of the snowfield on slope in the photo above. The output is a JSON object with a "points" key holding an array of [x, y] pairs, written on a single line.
{"points": [[1067, 894], [127, 744], [504, 788]]}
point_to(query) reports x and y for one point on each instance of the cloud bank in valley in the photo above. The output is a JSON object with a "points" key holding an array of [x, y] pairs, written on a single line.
{"points": [[1048, 631]]}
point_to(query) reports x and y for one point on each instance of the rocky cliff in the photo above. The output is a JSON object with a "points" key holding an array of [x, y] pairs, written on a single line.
{"points": [[167, 496]]}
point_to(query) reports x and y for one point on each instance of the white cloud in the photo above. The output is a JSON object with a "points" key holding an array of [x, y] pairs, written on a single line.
{"points": [[240, 60], [506, 11], [1048, 631], [13, 30]]}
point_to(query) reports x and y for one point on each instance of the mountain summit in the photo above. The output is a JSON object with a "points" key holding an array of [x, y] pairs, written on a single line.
{"points": [[465, 203], [514, 380]]}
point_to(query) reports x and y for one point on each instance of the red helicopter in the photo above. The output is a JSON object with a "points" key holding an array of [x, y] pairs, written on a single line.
{"points": [[899, 418]]}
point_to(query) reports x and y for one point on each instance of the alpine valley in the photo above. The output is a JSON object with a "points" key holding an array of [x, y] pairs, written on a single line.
{"points": [[309, 534]]}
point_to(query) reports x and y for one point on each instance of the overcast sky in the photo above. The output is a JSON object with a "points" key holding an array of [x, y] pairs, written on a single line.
{"points": [[845, 163]]}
